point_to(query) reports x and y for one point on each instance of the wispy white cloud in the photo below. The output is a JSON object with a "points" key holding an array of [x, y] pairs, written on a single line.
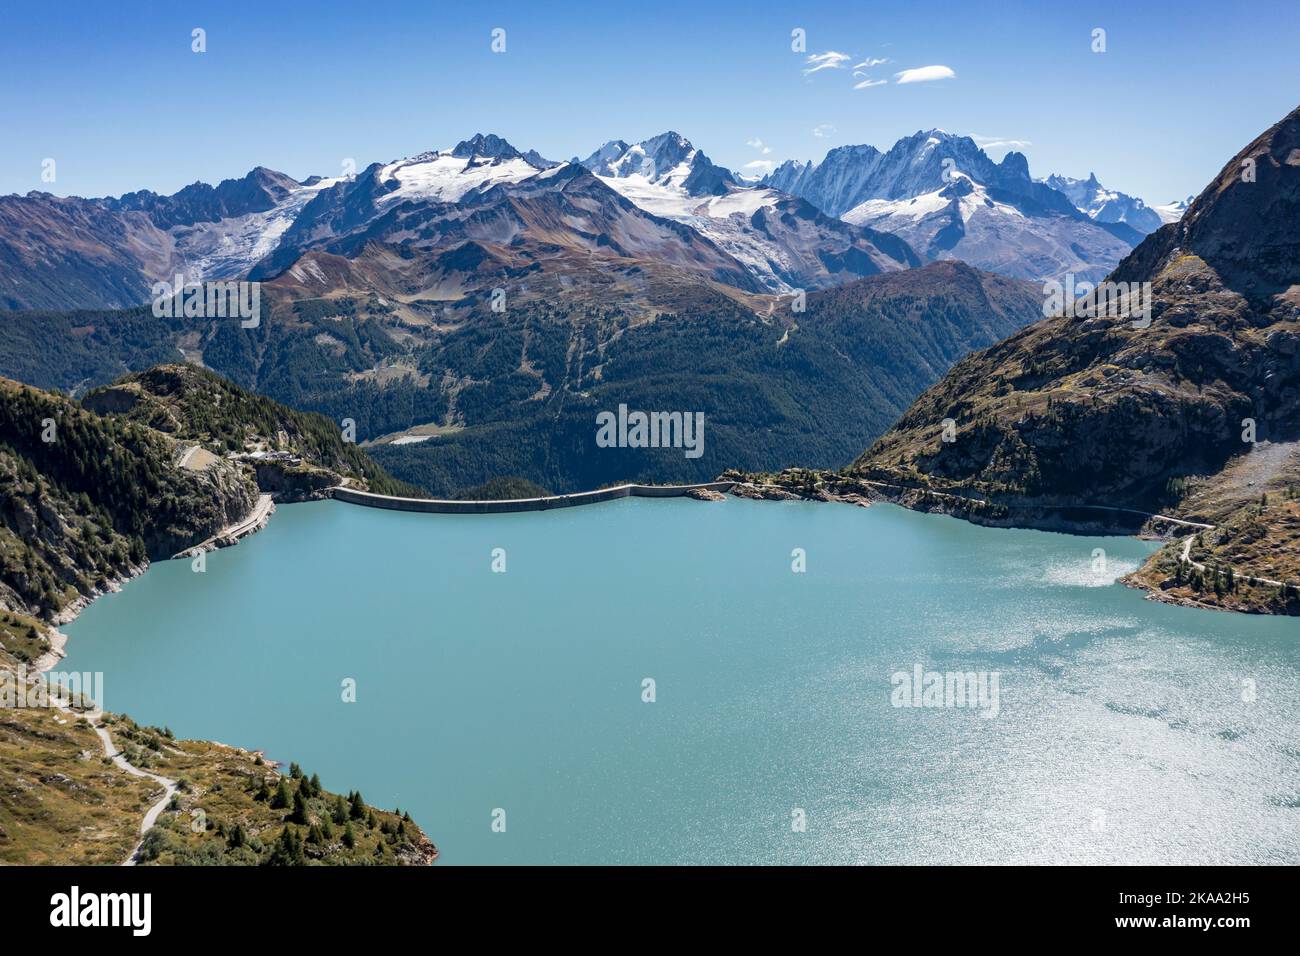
{"points": [[869, 62], [822, 130], [999, 142], [868, 83], [762, 165], [759, 145], [830, 60], [925, 74]]}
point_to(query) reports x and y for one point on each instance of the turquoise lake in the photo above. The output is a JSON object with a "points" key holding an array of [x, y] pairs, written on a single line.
{"points": [[1126, 731]]}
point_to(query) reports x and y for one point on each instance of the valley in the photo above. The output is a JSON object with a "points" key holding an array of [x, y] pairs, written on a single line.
{"points": [[460, 420]]}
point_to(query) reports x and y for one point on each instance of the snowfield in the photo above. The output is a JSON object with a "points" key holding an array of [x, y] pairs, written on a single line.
{"points": [[442, 177]]}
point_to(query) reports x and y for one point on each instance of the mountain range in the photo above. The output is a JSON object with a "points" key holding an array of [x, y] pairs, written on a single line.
{"points": [[644, 273], [949, 200], [439, 226]]}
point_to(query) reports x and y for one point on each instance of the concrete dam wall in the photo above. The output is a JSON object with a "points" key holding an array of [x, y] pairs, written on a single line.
{"points": [[453, 506]]}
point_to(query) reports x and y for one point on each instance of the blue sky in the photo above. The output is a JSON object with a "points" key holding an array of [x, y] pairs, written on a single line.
{"points": [[114, 94]]}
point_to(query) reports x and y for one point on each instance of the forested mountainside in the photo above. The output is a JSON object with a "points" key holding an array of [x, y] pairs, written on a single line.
{"points": [[92, 492], [526, 387], [87, 500], [515, 393], [197, 406]]}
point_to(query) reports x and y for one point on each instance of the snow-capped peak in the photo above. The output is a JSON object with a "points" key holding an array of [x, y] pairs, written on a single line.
{"points": [[661, 158], [1173, 211], [1107, 205], [489, 145], [479, 162]]}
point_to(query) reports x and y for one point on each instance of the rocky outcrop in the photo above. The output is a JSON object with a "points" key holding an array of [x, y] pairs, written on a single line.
{"points": [[705, 494], [288, 483]]}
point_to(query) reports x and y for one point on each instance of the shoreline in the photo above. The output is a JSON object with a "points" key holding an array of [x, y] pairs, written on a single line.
{"points": [[915, 499], [229, 536]]}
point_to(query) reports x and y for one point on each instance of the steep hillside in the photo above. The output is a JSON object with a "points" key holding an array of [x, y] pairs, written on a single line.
{"points": [[89, 494], [1104, 411], [196, 406], [89, 505]]}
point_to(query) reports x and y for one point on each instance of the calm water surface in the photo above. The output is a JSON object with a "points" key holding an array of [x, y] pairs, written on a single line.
{"points": [[1127, 730]]}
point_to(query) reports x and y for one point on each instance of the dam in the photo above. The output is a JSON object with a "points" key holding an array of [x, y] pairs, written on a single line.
{"points": [[455, 506]]}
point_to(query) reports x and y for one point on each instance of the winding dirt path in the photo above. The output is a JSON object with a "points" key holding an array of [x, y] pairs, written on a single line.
{"points": [[169, 786]]}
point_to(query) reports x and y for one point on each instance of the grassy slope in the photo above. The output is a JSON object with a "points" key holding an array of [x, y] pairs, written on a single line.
{"points": [[1255, 505], [63, 802], [60, 801], [220, 790]]}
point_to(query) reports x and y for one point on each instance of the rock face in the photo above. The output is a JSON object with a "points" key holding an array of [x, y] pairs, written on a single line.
{"points": [[295, 484], [706, 494]]}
